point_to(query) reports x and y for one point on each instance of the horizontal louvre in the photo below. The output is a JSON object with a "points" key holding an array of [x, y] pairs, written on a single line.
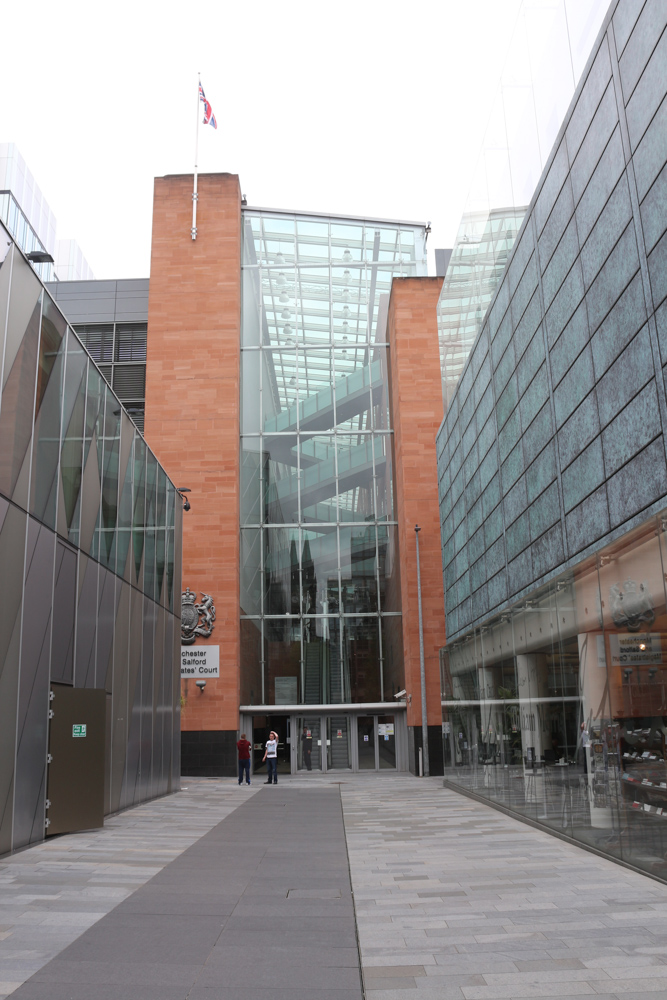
{"points": [[106, 371], [129, 381], [131, 341]]}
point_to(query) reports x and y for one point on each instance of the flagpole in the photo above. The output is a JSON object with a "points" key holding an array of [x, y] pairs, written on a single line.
{"points": [[193, 231]]}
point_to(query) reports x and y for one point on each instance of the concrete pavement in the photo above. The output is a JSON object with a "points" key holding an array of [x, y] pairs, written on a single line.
{"points": [[223, 892]]}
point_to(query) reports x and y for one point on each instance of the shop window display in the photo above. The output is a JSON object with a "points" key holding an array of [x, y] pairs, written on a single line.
{"points": [[557, 709]]}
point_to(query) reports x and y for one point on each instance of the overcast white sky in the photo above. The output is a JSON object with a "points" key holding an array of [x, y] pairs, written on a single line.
{"points": [[360, 107]]}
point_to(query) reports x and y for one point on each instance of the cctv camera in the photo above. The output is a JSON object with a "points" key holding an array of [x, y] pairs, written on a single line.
{"points": [[400, 694], [201, 685]]}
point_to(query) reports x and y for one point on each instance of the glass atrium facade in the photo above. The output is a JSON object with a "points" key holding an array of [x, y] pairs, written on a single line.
{"points": [[320, 594]]}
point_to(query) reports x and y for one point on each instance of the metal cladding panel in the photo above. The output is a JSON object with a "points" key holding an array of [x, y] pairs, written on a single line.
{"points": [[12, 554], [33, 705]]}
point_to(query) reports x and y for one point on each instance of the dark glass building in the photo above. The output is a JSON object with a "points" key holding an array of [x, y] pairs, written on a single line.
{"points": [[90, 549], [553, 481]]}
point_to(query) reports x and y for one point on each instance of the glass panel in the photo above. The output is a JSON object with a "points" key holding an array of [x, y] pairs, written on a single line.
{"points": [[280, 479], [71, 450], [160, 516], [315, 377], [89, 495], [389, 568], [355, 476], [386, 742], [319, 560], [251, 362], [172, 500], [139, 509], [97, 338], [48, 401], [309, 752], [17, 413], [151, 520], [322, 678], [109, 508], [556, 709], [251, 480], [317, 456], [383, 447], [366, 742], [251, 571], [282, 656], [353, 377], [124, 528], [361, 659], [358, 570], [252, 681], [393, 672], [281, 571], [339, 743]]}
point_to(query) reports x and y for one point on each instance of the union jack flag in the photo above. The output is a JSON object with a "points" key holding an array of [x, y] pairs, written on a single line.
{"points": [[209, 117]]}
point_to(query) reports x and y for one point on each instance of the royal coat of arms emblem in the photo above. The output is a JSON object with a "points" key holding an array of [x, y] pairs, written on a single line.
{"points": [[632, 606], [196, 619]]}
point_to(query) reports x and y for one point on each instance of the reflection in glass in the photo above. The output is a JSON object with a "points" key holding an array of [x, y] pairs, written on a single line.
{"points": [[71, 450], [366, 742], [282, 657], [386, 742], [361, 659], [280, 479], [557, 708], [309, 751], [339, 745], [16, 415]]}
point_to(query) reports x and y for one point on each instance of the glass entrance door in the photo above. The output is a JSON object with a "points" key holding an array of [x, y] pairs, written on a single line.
{"points": [[339, 757], [309, 747], [386, 742], [366, 742], [376, 742]]}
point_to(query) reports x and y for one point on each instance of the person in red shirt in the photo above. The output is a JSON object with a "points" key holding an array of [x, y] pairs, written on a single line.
{"points": [[243, 748]]}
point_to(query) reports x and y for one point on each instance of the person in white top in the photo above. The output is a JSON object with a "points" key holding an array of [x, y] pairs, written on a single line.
{"points": [[271, 758]]}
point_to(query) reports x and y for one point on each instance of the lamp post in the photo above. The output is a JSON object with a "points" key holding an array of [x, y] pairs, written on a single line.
{"points": [[422, 670]]}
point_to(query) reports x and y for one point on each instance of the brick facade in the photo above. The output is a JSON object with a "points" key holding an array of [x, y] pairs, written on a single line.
{"points": [[192, 406], [416, 398]]}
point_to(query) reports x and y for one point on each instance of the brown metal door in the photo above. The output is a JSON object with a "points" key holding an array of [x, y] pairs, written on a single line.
{"points": [[75, 788]]}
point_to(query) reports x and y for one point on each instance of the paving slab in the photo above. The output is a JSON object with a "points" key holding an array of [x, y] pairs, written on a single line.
{"points": [[51, 893], [455, 899], [221, 893], [278, 915]]}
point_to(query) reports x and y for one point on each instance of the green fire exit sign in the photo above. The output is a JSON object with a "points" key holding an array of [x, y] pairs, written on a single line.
{"points": [[79, 730]]}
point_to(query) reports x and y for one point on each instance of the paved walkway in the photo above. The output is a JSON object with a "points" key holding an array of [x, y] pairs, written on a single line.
{"points": [[249, 898]]}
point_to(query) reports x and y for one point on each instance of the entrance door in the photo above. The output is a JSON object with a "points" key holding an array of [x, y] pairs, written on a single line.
{"points": [[309, 749], [376, 742], [339, 756], [262, 726], [366, 742], [386, 742]]}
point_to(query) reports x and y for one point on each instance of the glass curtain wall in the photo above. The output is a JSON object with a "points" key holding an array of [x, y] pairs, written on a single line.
{"points": [[319, 558], [90, 549], [557, 709], [546, 55]]}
